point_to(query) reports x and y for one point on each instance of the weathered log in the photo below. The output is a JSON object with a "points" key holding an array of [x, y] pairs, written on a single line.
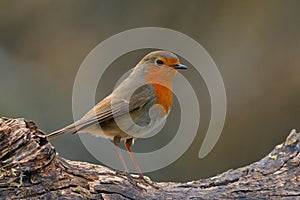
{"points": [[30, 169]]}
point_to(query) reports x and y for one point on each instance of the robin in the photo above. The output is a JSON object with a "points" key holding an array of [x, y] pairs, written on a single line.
{"points": [[139, 105]]}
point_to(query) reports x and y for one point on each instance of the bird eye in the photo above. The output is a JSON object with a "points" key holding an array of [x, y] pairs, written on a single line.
{"points": [[159, 62]]}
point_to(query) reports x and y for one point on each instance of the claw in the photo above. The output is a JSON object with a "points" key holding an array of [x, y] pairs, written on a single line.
{"points": [[148, 182], [131, 180]]}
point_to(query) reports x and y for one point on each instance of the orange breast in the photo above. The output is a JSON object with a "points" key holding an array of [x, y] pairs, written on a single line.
{"points": [[164, 96]]}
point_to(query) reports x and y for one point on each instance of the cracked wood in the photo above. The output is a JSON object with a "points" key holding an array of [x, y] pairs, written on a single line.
{"points": [[30, 169]]}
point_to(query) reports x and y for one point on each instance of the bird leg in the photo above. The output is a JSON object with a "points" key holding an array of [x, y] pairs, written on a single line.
{"points": [[117, 143], [126, 172], [128, 143]]}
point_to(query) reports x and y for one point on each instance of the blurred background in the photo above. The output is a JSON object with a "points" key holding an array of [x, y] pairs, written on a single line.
{"points": [[255, 44]]}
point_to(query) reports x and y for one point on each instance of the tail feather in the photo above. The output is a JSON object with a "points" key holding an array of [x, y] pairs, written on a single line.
{"points": [[69, 129]]}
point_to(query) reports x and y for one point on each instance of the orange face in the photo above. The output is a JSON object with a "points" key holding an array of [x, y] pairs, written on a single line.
{"points": [[161, 77], [162, 72]]}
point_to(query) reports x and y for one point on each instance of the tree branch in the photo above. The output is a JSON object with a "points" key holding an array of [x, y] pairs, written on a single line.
{"points": [[30, 169]]}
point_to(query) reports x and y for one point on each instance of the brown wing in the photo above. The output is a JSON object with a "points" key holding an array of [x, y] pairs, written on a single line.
{"points": [[104, 111]]}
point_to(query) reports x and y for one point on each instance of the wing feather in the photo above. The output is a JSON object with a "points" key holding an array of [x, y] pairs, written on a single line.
{"points": [[104, 111]]}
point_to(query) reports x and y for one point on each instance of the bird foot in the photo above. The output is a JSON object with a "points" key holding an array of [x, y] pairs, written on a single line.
{"points": [[147, 181], [136, 180], [131, 180]]}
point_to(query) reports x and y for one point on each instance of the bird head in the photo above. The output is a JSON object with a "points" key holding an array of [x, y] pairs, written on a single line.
{"points": [[159, 67]]}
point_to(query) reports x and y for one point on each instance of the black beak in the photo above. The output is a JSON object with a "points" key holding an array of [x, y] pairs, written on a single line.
{"points": [[180, 66]]}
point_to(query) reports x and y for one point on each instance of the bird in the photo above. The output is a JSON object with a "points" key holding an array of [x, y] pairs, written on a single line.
{"points": [[137, 106]]}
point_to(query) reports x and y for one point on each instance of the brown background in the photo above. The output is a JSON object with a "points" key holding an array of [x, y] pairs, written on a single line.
{"points": [[255, 44]]}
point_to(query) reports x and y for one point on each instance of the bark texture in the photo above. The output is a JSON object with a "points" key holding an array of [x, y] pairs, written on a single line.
{"points": [[30, 169]]}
